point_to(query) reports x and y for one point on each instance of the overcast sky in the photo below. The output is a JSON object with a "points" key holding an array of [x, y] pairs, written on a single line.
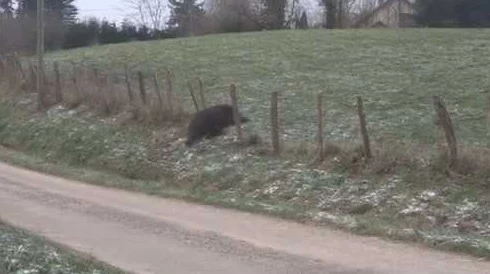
{"points": [[116, 10], [112, 10]]}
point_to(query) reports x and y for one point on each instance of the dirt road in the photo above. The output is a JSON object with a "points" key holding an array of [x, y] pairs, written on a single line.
{"points": [[143, 234]]}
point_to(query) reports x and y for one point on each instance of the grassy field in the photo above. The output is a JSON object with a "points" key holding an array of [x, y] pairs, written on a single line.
{"points": [[396, 71], [399, 194], [22, 252]]}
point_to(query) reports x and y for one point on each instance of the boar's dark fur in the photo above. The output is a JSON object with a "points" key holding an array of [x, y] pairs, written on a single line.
{"points": [[210, 122]]}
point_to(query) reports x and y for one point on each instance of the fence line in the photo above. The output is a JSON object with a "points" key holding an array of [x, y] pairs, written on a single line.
{"points": [[72, 87]]}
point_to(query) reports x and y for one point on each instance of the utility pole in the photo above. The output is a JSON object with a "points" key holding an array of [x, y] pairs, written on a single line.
{"points": [[40, 54]]}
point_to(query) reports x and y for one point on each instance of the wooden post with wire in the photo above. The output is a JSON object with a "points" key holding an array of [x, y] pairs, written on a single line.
{"points": [[364, 133], [321, 121], [18, 65], [127, 78], [275, 123], [170, 91], [201, 93], [40, 55], [236, 115], [444, 121], [141, 80], [158, 92], [58, 92], [193, 96]]}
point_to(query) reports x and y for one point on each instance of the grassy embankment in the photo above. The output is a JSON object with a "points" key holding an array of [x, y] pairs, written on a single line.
{"points": [[404, 193], [22, 252]]}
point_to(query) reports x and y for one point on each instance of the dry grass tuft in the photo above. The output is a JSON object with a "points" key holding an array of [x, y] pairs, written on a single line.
{"points": [[102, 92]]}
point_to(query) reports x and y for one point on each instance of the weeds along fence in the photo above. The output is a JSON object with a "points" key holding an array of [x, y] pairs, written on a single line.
{"points": [[150, 97]]}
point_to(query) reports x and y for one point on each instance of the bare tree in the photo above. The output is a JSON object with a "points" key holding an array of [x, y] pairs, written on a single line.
{"points": [[362, 8], [150, 13], [342, 13], [294, 10]]}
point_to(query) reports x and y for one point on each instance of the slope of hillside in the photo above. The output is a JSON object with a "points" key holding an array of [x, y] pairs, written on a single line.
{"points": [[396, 71], [22, 252], [405, 192]]}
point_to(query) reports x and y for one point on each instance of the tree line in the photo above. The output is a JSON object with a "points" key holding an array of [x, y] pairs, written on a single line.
{"points": [[62, 29], [160, 19]]}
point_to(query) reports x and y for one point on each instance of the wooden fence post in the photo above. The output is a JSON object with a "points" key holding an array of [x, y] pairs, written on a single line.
{"points": [[236, 115], [170, 91], [275, 123], [9, 74], [96, 91], [193, 96], [110, 86], [107, 92], [141, 80], [19, 65], [2, 68], [57, 87], [447, 125], [321, 117], [201, 92], [96, 88], [157, 91], [13, 68], [362, 122], [75, 79], [127, 79], [10, 71], [40, 84], [33, 72]]}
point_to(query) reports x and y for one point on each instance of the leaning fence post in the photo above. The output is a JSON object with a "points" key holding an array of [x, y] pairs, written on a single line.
{"points": [[141, 80], [447, 125], [193, 96], [275, 123], [321, 117], [236, 115], [364, 133]]}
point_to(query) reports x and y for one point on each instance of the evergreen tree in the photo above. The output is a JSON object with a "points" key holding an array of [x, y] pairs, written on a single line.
{"points": [[65, 9], [184, 15], [129, 30], [109, 33]]}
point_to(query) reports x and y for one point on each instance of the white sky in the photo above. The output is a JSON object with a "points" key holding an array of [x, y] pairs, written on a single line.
{"points": [[116, 10], [112, 10]]}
